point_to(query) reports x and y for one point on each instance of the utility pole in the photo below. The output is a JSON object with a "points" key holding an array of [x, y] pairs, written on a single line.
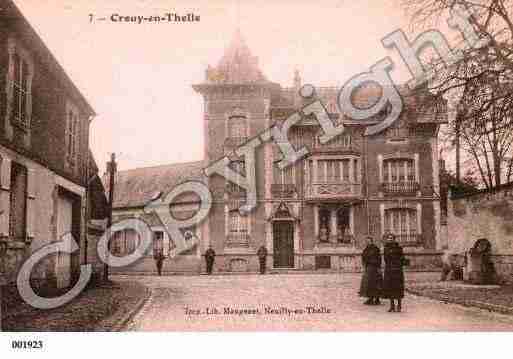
{"points": [[458, 148], [111, 169]]}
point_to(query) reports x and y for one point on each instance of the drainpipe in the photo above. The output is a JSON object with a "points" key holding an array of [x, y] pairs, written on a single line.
{"points": [[3, 251], [365, 178]]}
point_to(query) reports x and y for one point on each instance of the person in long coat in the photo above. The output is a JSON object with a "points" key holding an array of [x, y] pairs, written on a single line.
{"points": [[372, 280], [393, 282], [262, 258], [159, 261], [210, 256]]}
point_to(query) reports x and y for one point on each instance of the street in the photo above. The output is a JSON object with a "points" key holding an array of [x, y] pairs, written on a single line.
{"points": [[294, 302]]}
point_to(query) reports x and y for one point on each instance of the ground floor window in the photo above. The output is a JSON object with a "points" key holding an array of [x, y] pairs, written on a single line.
{"points": [[124, 242], [238, 224], [403, 223]]}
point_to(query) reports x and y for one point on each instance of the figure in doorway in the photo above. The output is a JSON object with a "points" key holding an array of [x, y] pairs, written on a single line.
{"points": [[210, 256], [372, 278], [262, 258]]}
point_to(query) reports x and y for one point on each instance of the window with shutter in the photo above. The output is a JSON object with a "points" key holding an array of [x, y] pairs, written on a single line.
{"points": [[18, 202], [72, 135], [21, 92]]}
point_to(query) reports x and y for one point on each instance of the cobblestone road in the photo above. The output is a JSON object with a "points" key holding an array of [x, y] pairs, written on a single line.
{"points": [[269, 299]]}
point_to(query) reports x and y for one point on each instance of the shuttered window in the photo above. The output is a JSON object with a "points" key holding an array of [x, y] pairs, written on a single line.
{"points": [[72, 136], [18, 202], [21, 92]]}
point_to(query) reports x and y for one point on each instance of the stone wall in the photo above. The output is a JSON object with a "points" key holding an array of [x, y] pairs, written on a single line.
{"points": [[483, 215]]}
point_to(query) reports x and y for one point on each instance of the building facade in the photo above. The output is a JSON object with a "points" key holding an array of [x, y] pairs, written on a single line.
{"points": [[317, 213], [45, 164]]}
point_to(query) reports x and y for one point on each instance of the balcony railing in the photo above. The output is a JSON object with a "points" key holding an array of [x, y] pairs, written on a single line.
{"points": [[400, 187], [408, 239], [237, 240], [335, 147], [336, 240], [279, 190], [332, 190]]}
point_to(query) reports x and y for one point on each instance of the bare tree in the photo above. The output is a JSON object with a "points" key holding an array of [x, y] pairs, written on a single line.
{"points": [[482, 81]]}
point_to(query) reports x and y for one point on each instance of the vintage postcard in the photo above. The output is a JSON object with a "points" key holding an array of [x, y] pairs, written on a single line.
{"points": [[230, 165]]}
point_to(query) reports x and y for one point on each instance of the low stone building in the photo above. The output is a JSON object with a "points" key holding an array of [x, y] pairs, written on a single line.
{"points": [[136, 188]]}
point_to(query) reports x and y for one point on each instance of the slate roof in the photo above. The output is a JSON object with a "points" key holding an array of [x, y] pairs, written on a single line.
{"points": [[136, 187], [11, 15], [427, 107]]}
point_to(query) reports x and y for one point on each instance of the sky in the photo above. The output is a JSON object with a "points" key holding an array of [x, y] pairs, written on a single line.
{"points": [[138, 77]]}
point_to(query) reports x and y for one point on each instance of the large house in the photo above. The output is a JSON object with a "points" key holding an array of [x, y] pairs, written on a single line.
{"points": [[49, 184], [316, 214]]}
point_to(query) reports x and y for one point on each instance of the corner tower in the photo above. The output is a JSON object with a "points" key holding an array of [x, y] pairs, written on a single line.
{"points": [[237, 99]]}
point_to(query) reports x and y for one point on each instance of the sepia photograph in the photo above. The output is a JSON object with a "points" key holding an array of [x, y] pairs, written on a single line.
{"points": [[234, 166]]}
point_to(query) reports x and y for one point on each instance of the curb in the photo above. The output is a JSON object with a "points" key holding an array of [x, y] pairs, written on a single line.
{"points": [[465, 302], [120, 323], [268, 272]]}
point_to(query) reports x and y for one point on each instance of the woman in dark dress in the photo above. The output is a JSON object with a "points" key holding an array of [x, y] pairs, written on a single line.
{"points": [[371, 283], [393, 282]]}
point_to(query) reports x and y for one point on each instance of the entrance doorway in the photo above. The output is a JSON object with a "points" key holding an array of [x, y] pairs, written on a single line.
{"points": [[283, 244]]}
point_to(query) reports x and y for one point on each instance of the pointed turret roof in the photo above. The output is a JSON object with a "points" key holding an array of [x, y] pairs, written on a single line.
{"points": [[237, 66]]}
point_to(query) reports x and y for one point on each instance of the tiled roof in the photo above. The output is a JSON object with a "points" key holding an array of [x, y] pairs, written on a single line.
{"points": [[136, 187], [427, 107]]}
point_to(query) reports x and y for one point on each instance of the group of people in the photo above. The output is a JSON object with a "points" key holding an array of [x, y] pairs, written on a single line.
{"points": [[210, 256], [374, 284]]}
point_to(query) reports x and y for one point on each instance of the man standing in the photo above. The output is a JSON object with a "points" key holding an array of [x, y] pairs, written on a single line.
{"points": [[210, 256], [372, 280], [262, 258], [159, 261]]}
